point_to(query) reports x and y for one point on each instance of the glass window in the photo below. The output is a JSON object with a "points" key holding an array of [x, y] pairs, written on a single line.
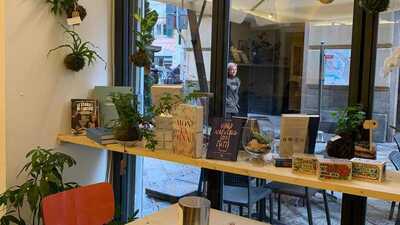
{"points": [[292, 57], [174, 64], [386, 101]]}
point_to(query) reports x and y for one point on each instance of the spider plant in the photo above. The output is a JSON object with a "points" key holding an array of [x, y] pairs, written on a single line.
{"points": [[81, 52]]}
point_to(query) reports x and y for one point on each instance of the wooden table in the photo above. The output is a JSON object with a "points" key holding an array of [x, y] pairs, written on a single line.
{"points": [[388, 190], [170, 216]]}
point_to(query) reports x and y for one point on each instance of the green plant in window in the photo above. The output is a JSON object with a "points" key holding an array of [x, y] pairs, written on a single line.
{"points": [[350, 121], [131, 125], [142, 58], [44, 177], [82, 52]]}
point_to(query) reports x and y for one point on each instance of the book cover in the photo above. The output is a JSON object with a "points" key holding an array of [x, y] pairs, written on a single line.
{"points": [[225, 139], [84, 115], [100, 133], [188, 131], [298, 134], [108, 113]]}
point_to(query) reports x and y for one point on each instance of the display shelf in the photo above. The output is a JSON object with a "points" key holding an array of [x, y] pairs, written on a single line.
{"points": [[388, 190]]}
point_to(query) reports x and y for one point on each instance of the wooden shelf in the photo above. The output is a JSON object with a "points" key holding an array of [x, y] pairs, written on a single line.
{"points": [[170, 215], [388, 190]]}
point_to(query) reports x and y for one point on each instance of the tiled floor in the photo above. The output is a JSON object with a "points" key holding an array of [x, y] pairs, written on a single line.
{"points": [[176, 178]]}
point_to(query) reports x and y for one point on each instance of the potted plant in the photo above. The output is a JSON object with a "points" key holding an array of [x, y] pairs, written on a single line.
{"points": [[131, 126], [374, 6], [142, 57], [348, 131], [82, 53], [58, 7], [44, 177]]}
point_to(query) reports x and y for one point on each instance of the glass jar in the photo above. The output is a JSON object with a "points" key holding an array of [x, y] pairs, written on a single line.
{"points": [[258, 136]]}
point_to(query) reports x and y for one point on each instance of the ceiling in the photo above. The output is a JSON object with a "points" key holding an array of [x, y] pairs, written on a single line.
{"points": [[264, 12]]}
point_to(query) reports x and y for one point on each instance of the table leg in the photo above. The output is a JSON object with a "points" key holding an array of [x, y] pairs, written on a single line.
{"points": [[354, 210], [214, 191]]}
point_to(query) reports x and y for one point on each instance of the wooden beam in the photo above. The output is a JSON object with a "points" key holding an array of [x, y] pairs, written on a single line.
{"points": [[197, 50]]}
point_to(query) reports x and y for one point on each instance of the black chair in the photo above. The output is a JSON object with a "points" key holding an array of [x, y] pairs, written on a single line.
{"points": [[303, 193], [394, 157], [245, 192]]}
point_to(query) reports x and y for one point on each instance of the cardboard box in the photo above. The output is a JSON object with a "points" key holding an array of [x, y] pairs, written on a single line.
{"points": [[368, 170], [305, 163], [338, 169]]}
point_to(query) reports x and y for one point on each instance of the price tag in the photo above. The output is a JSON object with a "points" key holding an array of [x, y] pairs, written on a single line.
{"points": [[75, 19]]}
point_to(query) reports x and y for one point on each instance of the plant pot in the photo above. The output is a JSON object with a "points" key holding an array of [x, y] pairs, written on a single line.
{"points": [[342, 148], [141, 59], [127, 134], [74, 62], [82, 11], [374, 6]]}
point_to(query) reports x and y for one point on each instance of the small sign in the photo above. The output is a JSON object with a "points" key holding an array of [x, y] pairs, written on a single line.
{"points": [[225, 139], [75, 20]]}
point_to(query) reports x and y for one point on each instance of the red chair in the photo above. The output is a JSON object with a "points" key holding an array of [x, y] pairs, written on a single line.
{"points": [[90, 205]]}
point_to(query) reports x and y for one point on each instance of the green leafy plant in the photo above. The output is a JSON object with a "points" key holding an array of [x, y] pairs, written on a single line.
{"points": [[59, 7], [142, 58], [374, 6], [82, 52], [44, 177], [350, 121], [131, 125]]}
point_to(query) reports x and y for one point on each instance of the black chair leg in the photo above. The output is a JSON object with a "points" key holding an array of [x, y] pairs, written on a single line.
{"points": [[271, 209], [263, 208], [229, 208], [249, 210], [392, 207], [328, 217], [279, 206], [309, 213], [241, 210], [398, 216]]}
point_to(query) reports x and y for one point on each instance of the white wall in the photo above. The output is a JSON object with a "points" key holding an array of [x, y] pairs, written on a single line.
{"points": [[39, 88], [2, 104]]}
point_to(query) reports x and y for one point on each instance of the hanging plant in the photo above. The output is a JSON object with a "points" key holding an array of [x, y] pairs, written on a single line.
{"points": [[76, 10], [81, 52], [142, 58], [374, 6], [70, 7]]}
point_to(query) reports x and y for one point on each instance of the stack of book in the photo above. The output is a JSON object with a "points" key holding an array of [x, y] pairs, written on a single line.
{"points": [[103, 136]]}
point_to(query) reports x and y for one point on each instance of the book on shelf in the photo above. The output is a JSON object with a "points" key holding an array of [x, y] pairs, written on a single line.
{"points": [[100, 132], [84, 115], [298, 134], [101, 135]]}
